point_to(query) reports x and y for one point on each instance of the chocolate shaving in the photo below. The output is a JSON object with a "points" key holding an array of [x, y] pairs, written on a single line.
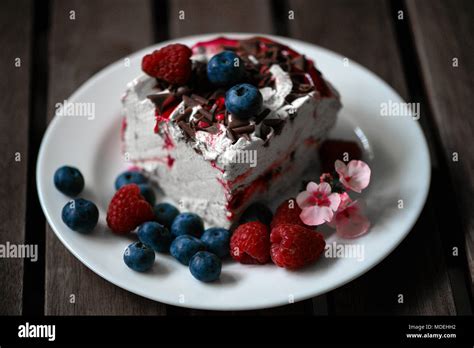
{"points": [[199, 99], [257, 57], [171, 99], [159, 99], [182, 91], [189, 102], [275, 123], [211, 129], [292, 96], [198, 117], [216, 94], [299, 62], [183, 116], [213, 109], [187, 129], [206, 114], [245, 129], [226, 117], [268, 136], [231, 135], [262, 115], [234, 122], [264, 131]]}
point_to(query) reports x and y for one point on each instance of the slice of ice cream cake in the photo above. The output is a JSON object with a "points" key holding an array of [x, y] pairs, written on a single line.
{"points": [[216, 162]]}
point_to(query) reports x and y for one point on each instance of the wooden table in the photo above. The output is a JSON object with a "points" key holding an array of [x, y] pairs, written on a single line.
{"points": [[412, 45]]}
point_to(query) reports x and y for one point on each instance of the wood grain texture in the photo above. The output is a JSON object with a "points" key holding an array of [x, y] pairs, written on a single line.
{"points": [[15, 29], [363, 31], [205, 16], [102, 32], [443, 31]]}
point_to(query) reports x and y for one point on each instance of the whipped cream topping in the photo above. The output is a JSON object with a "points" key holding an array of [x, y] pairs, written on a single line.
{"points": [[218, 147]]}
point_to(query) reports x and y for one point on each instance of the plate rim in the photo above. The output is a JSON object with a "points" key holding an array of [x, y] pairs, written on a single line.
{"points": [[268, 304]]}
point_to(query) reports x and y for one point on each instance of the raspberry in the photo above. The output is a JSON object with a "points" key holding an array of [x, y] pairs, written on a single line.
{"points": [[294, 246], [287, 213], [331, 150], [170, 64], [128, 209], [250, 243]]}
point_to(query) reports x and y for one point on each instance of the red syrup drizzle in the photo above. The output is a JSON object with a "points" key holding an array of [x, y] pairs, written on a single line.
{"points": [[123, 128], [168, 142], [261, 184], [216, 44], [169, 161], [165, 116], [214, 165], [168, 145]]}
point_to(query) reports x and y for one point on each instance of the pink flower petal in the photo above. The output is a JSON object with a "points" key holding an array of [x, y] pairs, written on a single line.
{"points": [[359, 172], [302, 199], [355, 176], [340, 167], [316, 215], [354, 227], [335, 200], [345, 201], [350, 222], [312, 187], [324, 188]]}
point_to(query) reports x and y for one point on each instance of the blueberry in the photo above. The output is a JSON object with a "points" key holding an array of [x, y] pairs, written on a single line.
{"points": [[155, 236], [187, 223], [257, 212], [225, 69], [165, 214], [80, 215], [130, 177], [244, 101], [184, 247], [139, 257], [205, 266], [147, 192], [69, 180], [217, 241]]}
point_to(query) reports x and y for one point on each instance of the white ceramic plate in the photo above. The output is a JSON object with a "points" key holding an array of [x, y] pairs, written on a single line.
{"points": [[394, 147]]}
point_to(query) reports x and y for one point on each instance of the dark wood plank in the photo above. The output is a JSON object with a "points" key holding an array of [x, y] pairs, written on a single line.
{"points": [[103, 32], [443, 32], [363, 31], [15, 33], [204, 16]]}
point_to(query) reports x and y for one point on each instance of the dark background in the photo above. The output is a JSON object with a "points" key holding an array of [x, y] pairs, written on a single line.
{"points": [[413, 54]]}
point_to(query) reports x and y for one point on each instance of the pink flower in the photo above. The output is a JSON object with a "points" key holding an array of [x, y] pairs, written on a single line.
{"points": [[349, 220], [354, 176], [318, 204]]}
